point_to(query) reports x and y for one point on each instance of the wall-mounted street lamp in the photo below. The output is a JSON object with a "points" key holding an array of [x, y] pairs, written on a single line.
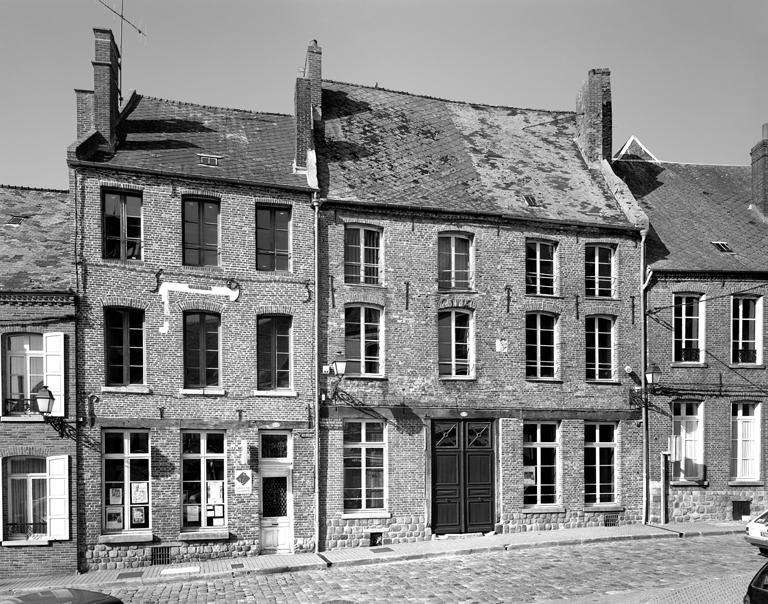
{"points": [[45, 400], [652, 378]]}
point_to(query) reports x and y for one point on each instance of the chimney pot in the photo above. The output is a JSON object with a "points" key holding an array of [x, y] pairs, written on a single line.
{"points": [[765, 131]]}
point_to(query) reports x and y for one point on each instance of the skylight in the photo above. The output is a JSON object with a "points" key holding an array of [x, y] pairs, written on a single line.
{"points": [[208, 160], [531, 201], [15, 220], [722, 246]]}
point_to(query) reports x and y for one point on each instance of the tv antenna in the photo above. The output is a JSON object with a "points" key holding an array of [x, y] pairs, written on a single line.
{"points": [[122, 20]]}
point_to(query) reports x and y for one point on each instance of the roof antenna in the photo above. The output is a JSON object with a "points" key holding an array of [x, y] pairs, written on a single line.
{"points": [[122, 20]]}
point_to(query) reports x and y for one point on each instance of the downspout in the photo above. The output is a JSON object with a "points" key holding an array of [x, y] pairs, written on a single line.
{"points": [[316, 369], [645, 280]]}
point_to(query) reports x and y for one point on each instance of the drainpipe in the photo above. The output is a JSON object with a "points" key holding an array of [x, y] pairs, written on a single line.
{"points": [[645, 280], [316, 369]]}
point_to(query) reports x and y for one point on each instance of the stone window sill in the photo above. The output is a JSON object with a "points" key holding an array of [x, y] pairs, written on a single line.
{"points": [[689, 483], [26, 542], [603, 383], [22, 418], [746, 483], [374, 285], [544, 380], [132, 389], [203, 268], [119, 261], [202, 392], [746, 366], [283, 393], [143, 537], [544, 509], [603, 507], [545, 296], [366, 376], [694, 365], [457, 378], [217, 535], [613, 298], [372, 515]]}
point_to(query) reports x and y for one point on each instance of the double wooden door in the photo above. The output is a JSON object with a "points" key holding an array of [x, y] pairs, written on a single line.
{"points": [[462, 476]]}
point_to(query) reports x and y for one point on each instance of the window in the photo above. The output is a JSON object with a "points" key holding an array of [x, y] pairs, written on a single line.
{"points": [[364, 449], [453, 262], [455, 343], [121, 225], [201, 232], [273, 239], [540, 268], [540, 444], [599, 463], [746, 330], [201, 349], [540, 346], [38, 498], [689, 328], [31, 361], [124, 346], [598, 271], [745, 441], [362, 337], [687, 436], [362, 248], [202, 474], [126, 480], [274, 352], [599, 340]]}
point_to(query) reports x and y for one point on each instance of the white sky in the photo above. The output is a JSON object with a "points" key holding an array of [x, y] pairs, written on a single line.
{"points": [[689, 77]]}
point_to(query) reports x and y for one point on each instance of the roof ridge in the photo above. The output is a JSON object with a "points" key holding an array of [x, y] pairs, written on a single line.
{"points": [[187, 103], [437, 98], [688, 163], [25, 188]]}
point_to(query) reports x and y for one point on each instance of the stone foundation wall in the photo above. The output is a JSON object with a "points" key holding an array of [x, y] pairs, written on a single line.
{"points": [[686, 505], [357, 532], [520, 522]]}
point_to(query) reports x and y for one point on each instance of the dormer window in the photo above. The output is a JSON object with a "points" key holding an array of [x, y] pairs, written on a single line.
{"points": [[208, 160]]}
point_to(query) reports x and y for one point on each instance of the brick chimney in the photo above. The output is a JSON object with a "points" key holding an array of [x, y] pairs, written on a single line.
{"points": [[84, 100], [760, 173], [106, 92], [595, 118], [308, 103], [313, 71]]}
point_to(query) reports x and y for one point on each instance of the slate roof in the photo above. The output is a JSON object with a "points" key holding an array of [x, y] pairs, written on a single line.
{"points": [[689, 207], [38, 253], [157, 134], [378, 146]]}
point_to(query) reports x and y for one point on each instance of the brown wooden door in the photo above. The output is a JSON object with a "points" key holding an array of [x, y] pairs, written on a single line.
{"points": [[462, 476]]}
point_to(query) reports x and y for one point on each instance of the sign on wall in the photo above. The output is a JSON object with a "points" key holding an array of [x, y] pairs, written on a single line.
{"points": [[244, 482]]}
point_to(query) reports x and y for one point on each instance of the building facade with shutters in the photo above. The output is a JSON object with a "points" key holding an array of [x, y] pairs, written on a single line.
{"points": [[195, 243], [38, 458], [707, 279]]}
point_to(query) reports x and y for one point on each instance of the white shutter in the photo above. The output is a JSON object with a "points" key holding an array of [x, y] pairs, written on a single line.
{"points": [[2, 519], [53, 351], [3, 388], [58, 497]]}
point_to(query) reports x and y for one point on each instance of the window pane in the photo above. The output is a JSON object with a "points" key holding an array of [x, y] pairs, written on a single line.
{"points": [[214, 443]]}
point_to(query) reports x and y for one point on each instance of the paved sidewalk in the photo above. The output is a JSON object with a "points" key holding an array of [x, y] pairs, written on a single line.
{"points": [[437, 547]]}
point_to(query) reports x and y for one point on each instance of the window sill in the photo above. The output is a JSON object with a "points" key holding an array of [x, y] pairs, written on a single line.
{"points": [[143, 537], [547, 296], [121, 261], [544, 509], [202, 392], [457, 378], [217, 535], [603, 507], [366, 377], [603, 382], [445, 291], [22, 418], [689, 483], [206, 268], [26, 542], [691, 365], [280, 393], [376, 285], [613, 298], [746, 366], [132, 389], [544, 380], [371, 515], [746, 483]]}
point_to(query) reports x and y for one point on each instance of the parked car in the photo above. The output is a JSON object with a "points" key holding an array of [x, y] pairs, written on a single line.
{"points": [[757, 591], [757, 532], [62, 596]]}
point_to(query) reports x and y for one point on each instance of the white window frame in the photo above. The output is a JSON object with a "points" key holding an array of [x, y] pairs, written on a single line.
{"points": [[453, 237], [680, 304], [203, 505], [596, 349], [363, 446], [592, 277], [687, 441], [380, 335], [127, 490], [360, 278], [207, 387], [537, 274], [556, 344], [745, 441], [275, 208], [470, 344], [598, 445], [737, 316], [538, 445], [53, 373], [280, 389]]}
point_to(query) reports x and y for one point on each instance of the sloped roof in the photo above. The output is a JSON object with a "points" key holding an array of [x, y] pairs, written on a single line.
{"points": [[689, 207], [377, 146], [157, 134], [38, 253]]}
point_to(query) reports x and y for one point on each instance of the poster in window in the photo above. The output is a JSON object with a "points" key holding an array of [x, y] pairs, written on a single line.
{"points": [[114, 518], [218, 522], [137, 516], [115, 496], [529, 476], [215, 492], [139, 492], [219, 511], [193, 513]]}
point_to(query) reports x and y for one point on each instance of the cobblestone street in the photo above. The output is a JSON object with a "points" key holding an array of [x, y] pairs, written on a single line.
{"points": [[668, 570]]}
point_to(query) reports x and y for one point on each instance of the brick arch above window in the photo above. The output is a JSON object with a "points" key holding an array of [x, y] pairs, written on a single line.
{"points": [[611, 309], [360, 221], [201, 305], [24, 451], [276, 309], [553, 307], [125, 301], [372, 298], [123, 186], [199, 193]]}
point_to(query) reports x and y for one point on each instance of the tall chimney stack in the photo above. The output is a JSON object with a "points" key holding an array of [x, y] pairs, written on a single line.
{"points": [[759, 155], [313, 71], [594, 118], [308, 101], [106, 91]]}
